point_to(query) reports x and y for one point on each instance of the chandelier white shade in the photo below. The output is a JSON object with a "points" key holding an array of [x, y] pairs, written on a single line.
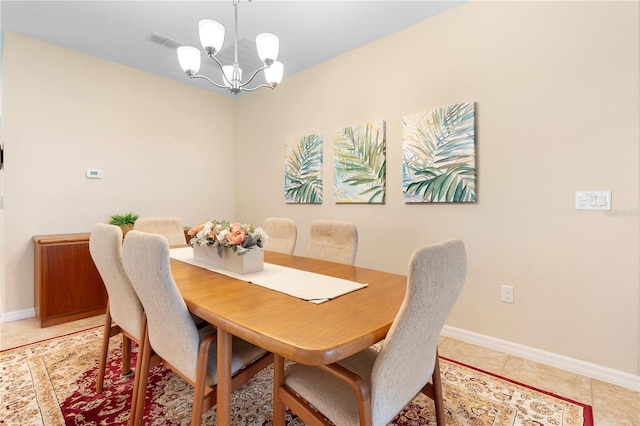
{"points": [[274, 73], [212, 38], [211, 35], [232, 75], [189, 58], [268, 46]]}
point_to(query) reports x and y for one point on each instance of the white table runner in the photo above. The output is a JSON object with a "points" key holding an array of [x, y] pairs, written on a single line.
{"points": [[309, 286]]}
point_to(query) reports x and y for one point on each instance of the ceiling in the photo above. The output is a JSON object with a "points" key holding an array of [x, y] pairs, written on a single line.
{"points": [[310, 32]]}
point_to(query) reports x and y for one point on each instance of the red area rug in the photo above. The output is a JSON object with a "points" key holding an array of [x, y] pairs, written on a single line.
{"points": [[53, 383]]}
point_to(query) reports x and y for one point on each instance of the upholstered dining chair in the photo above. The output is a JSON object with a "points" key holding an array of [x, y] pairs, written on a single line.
{"points": [[171, 333], [171, 227], [282, 233], [371, 387], [333, 240], [124, 310]]}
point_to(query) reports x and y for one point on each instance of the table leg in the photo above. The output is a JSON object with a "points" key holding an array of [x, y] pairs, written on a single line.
{"points": [[223, 411], [278, 380]]}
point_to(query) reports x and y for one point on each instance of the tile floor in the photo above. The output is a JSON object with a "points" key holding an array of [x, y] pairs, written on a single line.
{"points": [[612, 405]]}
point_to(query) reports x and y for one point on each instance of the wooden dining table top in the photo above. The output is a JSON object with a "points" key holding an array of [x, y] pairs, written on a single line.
{"points": [[309, 333]]}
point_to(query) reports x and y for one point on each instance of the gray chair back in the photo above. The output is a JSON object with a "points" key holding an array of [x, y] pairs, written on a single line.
{"points": [[282, 233], [171, 227], [333, 240], [173, 334], [407, 358], [105, 246]]}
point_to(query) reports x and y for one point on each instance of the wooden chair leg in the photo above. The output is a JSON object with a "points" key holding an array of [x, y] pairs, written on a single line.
{"points": [[201, 379], [126, 357], [104, 351], [141, 377], [438, 399], [278, 381], [434, 391]]}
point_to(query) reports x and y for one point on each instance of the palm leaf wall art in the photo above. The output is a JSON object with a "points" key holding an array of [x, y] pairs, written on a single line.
{"points": [[360, 163], [439, 155], [303, 170]]}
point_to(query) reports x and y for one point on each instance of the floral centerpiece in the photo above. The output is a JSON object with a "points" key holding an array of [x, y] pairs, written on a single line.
{"points": [[238, 246], [239, 237]]}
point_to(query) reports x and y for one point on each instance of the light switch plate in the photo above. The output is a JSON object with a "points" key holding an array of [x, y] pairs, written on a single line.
{"points": [[593, 200]]}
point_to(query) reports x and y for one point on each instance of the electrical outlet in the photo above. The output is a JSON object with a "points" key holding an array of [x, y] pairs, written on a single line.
{"points": [[507, 294]]}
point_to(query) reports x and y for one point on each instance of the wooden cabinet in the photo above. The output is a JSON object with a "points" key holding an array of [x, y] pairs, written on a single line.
{"points": [[67, 284]]}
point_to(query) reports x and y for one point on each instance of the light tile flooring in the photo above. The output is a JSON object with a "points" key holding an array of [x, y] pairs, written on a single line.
{"points": [[612, 405]]}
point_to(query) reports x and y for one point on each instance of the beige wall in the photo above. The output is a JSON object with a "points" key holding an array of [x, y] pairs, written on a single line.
{"points": [[556, 92], [66, 112]]}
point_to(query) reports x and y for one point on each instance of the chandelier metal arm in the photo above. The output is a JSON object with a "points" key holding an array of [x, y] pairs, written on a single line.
{"points": [[241, 86], [224, 77], [270, 86], [208, 79], [253, 76]]}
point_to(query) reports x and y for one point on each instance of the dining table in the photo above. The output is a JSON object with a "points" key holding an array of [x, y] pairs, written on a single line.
{"points": [[290, 327]]}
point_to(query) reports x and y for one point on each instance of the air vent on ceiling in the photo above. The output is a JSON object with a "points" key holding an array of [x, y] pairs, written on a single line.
{"points": [[164, 41]]}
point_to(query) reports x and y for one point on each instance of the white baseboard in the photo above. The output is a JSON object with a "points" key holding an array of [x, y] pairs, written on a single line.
{"points": [[562, 362], [18, 315]]}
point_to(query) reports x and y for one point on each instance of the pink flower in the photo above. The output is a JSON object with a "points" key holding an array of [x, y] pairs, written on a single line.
{"points": [[194, 231], [236, 235]]}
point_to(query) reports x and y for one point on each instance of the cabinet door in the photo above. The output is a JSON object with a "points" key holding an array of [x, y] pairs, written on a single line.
{"points": [[71, 287]]}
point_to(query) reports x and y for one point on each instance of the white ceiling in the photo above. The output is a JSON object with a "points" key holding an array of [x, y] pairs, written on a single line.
{"points": [[310, 32]]}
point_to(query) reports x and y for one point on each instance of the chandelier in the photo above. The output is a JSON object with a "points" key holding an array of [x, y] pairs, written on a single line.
{"points": [[212, 38]]}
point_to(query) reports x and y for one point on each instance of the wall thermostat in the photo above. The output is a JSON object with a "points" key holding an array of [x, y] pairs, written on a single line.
{"points": [[94, 174]]}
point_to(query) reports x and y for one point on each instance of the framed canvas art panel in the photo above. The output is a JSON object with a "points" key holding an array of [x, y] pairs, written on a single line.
{"points": [[360, 163], [303, 170], [439, 155]]}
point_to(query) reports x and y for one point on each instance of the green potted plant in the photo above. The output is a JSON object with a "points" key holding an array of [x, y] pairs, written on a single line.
{"points": [[124, 221]]}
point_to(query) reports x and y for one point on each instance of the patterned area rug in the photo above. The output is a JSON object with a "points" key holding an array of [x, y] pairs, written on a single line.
{"points": [[53, 383]]}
